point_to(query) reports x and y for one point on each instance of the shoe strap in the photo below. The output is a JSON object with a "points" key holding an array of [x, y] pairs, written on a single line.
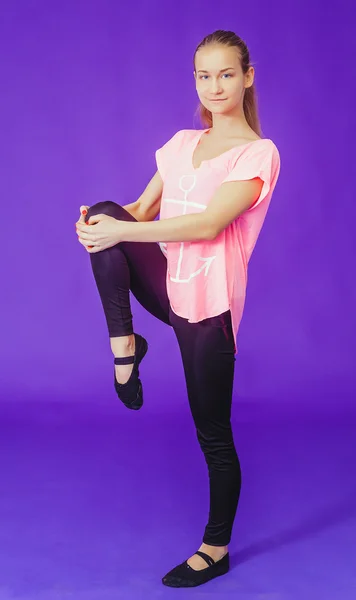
{"points": [[124, 360], [206, 557]]}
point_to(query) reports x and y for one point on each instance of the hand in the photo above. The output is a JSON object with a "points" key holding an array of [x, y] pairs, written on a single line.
{"points": [[103, 233]]}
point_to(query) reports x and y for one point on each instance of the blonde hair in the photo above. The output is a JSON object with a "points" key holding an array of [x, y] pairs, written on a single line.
{"points": [[229, 38]]}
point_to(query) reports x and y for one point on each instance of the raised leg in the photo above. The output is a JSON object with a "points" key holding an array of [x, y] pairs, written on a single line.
{"points": [[128, 266]]}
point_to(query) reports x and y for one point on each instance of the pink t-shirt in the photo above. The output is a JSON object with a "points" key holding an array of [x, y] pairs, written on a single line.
{"points": [[206, 278]]}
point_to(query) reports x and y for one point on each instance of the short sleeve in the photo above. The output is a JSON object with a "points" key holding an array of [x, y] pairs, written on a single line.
{"points": [[167, 154], [260, 159]]}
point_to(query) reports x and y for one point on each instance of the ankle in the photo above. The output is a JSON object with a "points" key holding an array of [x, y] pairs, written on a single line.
{"points": [[215, 552], [123, 345]]}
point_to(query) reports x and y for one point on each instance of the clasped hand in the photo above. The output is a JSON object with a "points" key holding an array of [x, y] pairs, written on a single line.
{"points": [[99, 233]]}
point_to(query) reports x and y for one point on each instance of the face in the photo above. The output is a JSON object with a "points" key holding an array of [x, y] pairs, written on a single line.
{"points": [[220, 81]]}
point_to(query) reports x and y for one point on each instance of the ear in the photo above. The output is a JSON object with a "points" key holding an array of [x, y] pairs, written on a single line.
{"points": [[249, 77]]}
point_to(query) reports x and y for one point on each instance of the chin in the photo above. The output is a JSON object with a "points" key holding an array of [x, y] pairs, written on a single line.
{"points": [[219, 110]]}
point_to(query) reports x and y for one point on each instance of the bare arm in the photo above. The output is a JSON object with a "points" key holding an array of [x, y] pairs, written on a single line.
{"points": [[229, 202], [148, 205]]}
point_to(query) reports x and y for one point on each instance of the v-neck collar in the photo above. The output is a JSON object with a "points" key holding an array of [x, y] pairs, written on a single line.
{"points": [[197, 139]]}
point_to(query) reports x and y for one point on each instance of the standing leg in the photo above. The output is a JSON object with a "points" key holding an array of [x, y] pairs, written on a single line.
{"points": [[207, 350]]}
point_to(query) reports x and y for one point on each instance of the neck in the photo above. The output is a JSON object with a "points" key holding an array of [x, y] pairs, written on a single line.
{"points": [[230, 125]]}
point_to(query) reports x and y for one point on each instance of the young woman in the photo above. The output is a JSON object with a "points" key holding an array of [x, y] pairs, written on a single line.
{"points": [[212, 190]]}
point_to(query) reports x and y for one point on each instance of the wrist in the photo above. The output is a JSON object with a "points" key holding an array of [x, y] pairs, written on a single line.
{"points": [[123, 231]]}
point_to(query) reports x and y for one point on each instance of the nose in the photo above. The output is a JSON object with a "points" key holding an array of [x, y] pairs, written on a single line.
{"points": [[216, 86]]}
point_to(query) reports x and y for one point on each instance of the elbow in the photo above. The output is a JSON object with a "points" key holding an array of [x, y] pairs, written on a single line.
{"points": [[211, 233]]}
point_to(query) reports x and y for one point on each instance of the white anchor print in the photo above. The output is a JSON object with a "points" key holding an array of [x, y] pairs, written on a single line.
{"points": [[207, 261]]}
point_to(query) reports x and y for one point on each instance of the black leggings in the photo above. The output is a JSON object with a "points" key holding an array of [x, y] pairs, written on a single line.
{"points": [[207, 350]]}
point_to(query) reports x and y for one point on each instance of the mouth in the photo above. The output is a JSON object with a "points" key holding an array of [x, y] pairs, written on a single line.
{"points": [[218, 100]]}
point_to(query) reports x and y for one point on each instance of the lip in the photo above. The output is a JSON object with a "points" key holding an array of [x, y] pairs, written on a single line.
{"points": [[218, 100]]}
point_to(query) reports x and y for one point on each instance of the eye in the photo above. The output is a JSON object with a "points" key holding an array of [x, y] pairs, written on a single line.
{"points": [[224, 74]]}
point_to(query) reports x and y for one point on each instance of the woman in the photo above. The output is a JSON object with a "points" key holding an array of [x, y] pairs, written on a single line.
{"points": [[212, 190]]}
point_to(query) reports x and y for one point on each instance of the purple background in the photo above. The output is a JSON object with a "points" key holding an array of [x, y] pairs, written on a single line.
{"points": [[89, 90]]}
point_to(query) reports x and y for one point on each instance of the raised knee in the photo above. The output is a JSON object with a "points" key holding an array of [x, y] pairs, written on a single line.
{"points": [[107, 207], [110, 208]]}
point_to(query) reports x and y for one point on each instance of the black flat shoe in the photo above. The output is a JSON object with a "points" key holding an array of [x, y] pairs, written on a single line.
{"points": [[185, 576], [131, 392]]}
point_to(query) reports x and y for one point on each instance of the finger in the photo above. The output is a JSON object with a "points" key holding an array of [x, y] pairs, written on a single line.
{"points": [[86, 236], [81, 226], [86, 243], [95, 219], [83, 212]]}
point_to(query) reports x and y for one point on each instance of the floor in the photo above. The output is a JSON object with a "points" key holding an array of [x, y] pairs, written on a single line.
{"points": [[98, 502]]}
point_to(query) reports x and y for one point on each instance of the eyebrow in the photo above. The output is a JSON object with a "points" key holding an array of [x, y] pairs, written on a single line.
{"points": [[222, 70]]}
